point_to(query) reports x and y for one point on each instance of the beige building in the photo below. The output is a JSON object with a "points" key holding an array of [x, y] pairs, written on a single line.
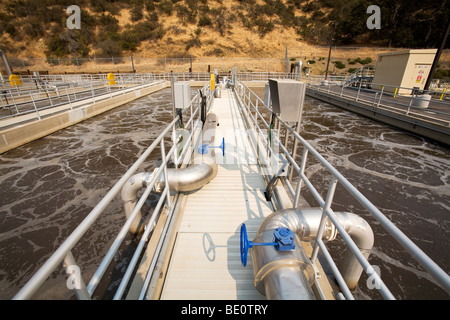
{"points": [[403, 69]]}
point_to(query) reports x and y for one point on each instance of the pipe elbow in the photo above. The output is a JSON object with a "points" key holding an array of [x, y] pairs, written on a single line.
{"points": [[193, 177], [305, 224], [358, 229], [129, 198]]}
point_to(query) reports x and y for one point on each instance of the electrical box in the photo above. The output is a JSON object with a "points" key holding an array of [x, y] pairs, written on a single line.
{"points": [[182, 95], [288, 97]]}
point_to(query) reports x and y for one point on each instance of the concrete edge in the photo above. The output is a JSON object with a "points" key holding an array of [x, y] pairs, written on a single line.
{"points": [[428, 130], [23, 133]]}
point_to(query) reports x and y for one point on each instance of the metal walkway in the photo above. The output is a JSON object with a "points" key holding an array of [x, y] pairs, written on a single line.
{"points": [[205, 263]]}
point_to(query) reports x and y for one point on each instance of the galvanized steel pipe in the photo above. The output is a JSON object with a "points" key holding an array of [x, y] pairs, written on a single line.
{"points": [[202, 171], [289, 275]]}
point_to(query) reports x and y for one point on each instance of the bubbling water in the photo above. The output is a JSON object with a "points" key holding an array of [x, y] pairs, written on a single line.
{"points": [[48, 186]]}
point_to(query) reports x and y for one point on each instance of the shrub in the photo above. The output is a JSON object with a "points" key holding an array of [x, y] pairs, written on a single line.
{"points": [[339, 64], [204, 21], [363, 61], [109, 48]]}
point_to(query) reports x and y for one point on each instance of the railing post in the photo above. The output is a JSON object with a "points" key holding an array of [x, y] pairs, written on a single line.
{"points": [[359, 90], [374, 98], [68, 97], [75, 280], [163, 156], [35, 108], [326, 206], [300, 179], [381, 94]]}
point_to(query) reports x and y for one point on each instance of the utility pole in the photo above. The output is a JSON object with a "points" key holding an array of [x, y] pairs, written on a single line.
{"points": [[287, 60], [333, 32], [5, 62], [437, 57], [190, 69], [329, 56], [132, 65]]}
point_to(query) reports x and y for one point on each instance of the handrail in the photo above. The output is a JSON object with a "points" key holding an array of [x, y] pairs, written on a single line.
{"points": [[381, 100], [67, 98], [245, 96], [65, 248]]}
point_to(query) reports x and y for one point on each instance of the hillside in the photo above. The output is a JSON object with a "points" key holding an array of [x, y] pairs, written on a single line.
{"points": [[211, 28]]}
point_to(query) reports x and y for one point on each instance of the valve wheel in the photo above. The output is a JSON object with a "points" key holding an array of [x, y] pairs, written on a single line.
{"points": [[244, 245]]}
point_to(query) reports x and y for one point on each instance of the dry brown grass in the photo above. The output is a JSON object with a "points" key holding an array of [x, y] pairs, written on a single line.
{"points": [[237, 42]]}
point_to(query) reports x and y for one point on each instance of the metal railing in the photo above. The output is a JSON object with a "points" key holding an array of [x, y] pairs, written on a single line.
{"points": [[26, 102], [64, 252], [254, 108], [49, 91], [381, 97]]}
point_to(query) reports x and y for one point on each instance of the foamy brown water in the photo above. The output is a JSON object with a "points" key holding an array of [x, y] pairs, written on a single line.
{"points": [[50, 185]]}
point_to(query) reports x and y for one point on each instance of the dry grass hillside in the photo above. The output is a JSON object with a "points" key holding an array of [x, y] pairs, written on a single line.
{"points": [[174, 29]]}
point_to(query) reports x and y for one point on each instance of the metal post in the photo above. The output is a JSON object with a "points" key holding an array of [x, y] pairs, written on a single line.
{"points": [[326, 206], [68, 97], [302, 171], [172, 88], [436, 58], [163, 156], [374, 98], [6, 63], [35, 108], [381, 94], [287, 60], [359, 90], [328, 62], [79, 285]]}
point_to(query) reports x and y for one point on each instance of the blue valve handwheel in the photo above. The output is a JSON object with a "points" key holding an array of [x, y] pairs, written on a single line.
{"points": [[244, 244], [223, 147], [284, 241], [203, 148]]}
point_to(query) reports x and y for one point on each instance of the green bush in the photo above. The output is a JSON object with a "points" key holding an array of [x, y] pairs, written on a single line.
{"points": [[363, 61], [204, 21], [339, 64], [109, 48], [442, 74]]}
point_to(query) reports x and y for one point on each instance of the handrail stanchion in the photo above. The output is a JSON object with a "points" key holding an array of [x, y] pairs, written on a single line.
{"points": [[75, 280]]}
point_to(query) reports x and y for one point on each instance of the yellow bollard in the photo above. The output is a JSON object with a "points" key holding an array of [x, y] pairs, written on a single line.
{"points": [[395, 92], [15, 80], [111, 79], [442, 95], [213, 77]]}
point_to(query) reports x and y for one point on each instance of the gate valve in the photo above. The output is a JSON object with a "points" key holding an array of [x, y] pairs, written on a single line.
{"points": [[203, 148], [283, 241]]}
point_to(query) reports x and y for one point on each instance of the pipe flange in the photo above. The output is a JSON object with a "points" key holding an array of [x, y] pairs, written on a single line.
{"points": [[331, 230]]}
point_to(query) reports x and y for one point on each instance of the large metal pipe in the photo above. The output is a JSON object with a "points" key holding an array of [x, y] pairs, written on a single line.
{"points": [[289, 275], [202, 171]]}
